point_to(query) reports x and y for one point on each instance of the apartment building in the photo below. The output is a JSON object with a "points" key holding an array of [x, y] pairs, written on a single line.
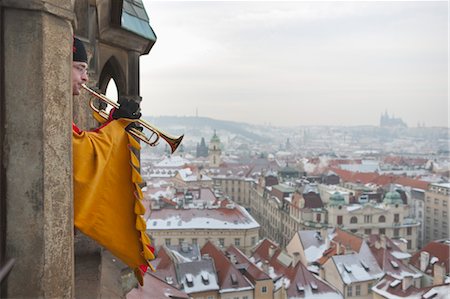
{"points": [[389, 218], [437, 212], [225, 224]]}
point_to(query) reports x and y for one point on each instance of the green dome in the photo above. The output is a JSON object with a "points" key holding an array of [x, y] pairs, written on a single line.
{"points": [[392, 198], [215, 138], [337, 199]]}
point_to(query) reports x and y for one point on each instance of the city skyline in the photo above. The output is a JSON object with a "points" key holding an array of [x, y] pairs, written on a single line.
{"points": [[298, 63]]}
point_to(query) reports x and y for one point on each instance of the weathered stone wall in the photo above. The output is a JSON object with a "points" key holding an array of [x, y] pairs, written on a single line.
{"points": [[37, 151]]}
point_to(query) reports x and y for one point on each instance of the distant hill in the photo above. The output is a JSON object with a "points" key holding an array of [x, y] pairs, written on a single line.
{"points": [[197, 127]]}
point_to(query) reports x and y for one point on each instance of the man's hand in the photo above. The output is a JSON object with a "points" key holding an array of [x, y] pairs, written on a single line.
{"points": [[135, 126], [128, 109]]}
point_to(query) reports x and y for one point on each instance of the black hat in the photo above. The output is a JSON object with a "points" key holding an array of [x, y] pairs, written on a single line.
{"points": [[79, 52]]}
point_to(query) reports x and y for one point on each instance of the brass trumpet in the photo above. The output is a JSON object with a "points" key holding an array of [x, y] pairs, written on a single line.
{"points": [[156, 133]]}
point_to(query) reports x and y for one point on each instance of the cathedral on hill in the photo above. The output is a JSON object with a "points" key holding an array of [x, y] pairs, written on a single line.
{"points": [[387, 121]]}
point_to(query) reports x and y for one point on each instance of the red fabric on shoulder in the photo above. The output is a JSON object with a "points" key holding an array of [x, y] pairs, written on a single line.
{"points": [[76, 129]]}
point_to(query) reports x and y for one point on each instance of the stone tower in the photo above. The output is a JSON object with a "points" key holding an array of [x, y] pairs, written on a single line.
{"points": [[214, 151]]}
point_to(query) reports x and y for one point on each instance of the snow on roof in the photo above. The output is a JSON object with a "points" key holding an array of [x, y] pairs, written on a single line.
{"points": [[216, 218], [309, 294], [353, 268], [313, 253], [391, 288], [172, 161], [401, 255], [194, 282]]}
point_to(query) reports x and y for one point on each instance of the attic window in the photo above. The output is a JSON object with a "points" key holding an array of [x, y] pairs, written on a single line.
{"points": [[347, 268], [234, 280], [394, 264], [300, 288], [313, 286], [365, 266], [430, 294], [189, 279], [395, 283], [205, 278]]}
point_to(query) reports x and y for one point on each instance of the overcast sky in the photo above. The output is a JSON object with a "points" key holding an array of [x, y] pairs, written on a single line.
{"points": [[298, 63]]}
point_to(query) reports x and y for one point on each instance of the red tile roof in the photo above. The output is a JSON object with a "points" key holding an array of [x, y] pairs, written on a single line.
{"points": [[375, 178], [251, 271], [228, 276], [413, 183], [154, 287], [390, 287], [439, 249], [304, 284], [347, 240], [164, 265], [261, 254], [386, 259]]}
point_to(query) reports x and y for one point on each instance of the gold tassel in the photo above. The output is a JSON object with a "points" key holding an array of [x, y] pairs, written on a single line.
{"points": [[139, 208]]}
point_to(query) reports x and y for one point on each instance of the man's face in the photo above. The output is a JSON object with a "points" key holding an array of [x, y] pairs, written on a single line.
{"points": [[79, 76]]}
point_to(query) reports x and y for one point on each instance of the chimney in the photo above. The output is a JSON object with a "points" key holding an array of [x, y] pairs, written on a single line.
{"points": [[383, 241], [424, 260], [233, 259], [324, 234], [407, 282], [438, 273], [265, 266], [338, 248], [296, 258], [271, 250]]}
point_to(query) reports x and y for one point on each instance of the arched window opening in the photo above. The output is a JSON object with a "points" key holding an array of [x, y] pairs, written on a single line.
{"points": [[354, 219], [112, 92]]}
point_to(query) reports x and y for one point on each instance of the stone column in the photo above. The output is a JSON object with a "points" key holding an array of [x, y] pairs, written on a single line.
{"points": [[37, 150]]}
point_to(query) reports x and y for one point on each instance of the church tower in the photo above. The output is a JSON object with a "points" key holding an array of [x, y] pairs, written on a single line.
{"points": [[214, 151]]}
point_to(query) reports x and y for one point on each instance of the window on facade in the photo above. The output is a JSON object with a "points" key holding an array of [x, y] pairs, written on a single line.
{"points": [[382, 231], [358, 290], [237, 241], [221, 242], [367, 218], [180, 240], [369, 288], [339, 220], [264, 289], [354, 219], [382, 219], [194, 241], [253, 241], [409, 244], [318, 217], [409, 231], [354, 231], [396, 232], [436, 201], [167, 241], [245, 297], [396, 218], [436, 211], [349, 291], [367, 231]]}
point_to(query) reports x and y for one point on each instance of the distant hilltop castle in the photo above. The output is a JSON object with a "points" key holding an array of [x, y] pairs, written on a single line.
{"points": [[387, 121]]}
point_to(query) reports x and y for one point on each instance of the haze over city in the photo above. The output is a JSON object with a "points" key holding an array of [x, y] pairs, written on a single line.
{"points": [[298, 63]]}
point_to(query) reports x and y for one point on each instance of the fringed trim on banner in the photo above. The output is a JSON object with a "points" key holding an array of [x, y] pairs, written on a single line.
{"points": [[139, 210]]}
